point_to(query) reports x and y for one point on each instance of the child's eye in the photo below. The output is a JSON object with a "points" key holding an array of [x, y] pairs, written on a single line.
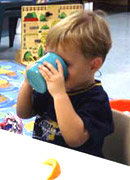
{"points": [[68, 64]]}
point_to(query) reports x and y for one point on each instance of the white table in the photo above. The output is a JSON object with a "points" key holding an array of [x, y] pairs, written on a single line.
{"points": [[22, 157]]}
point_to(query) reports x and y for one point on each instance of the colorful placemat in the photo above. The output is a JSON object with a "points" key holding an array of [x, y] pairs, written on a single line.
{"points": [[11, 78]]}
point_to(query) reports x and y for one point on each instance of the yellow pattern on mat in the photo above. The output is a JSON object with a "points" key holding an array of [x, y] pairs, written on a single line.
{"points": [[29, 126]]}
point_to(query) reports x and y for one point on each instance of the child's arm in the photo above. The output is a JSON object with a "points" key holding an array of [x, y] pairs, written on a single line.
{"points": [[25, 101], [70, 124]]}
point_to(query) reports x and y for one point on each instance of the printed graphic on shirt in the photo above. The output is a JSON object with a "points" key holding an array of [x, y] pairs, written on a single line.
{"points": [[46, 129], [50, 129]]}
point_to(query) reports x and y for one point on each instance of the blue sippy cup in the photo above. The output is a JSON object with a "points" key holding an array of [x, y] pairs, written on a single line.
{"points": [[35, 78]]}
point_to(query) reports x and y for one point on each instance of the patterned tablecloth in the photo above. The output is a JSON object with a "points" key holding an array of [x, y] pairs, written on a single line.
{"points": [[11, 78]]}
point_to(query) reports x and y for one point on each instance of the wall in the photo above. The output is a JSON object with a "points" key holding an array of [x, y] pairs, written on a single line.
{"points": [[117, 2], [111, 5]]}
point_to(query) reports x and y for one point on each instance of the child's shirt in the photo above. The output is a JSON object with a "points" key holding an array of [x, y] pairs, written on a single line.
{"points": [[92, 105]]}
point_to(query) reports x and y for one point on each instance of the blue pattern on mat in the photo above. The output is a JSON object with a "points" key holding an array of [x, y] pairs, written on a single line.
{"points": [[12, 73]]}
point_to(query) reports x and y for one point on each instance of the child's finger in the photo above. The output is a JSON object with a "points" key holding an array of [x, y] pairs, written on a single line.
{"points": [[59, 65], [50, 67], [45, 72]]}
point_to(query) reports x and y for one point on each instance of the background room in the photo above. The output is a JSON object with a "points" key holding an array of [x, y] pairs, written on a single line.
{"points": [[114, 74]]}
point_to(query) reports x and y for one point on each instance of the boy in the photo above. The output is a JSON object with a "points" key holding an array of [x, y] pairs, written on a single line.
{"points": [[75, 112]]}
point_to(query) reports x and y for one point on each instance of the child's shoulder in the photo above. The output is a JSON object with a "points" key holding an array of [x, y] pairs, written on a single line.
{"points": [[93, 96], [93, 90]]}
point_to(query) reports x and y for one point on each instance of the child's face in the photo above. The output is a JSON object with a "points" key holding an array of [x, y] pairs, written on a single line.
{"points": [[80, 75]]}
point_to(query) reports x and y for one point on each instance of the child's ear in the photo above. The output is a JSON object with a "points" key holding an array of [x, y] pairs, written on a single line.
{"points": [[96, 63]]}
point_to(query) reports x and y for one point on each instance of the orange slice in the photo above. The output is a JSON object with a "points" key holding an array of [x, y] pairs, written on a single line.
{"points": [[56, 168]]}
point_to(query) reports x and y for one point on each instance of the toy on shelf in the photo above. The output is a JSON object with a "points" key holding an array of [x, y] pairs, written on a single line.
{"points": [[36, 23], [35, 78]]}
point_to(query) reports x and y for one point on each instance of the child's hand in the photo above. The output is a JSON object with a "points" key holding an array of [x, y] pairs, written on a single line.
{"points": [[54, 78]]}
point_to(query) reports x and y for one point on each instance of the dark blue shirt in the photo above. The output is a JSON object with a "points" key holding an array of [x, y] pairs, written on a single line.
{"points": [[92, 105]]}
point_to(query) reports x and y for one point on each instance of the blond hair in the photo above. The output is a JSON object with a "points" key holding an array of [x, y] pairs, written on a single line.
{"points": [[85, 30]]}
